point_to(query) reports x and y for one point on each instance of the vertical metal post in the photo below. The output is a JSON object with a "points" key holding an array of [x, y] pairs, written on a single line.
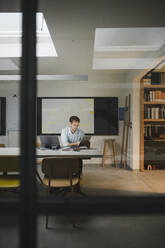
{"points": [[28, 126]]}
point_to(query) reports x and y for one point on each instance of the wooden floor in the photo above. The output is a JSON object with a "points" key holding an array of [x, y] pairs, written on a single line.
{"points": [[107, 181], [111, 181]]}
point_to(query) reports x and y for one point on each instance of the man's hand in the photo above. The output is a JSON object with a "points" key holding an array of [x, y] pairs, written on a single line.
{"points": [[74, 144]]}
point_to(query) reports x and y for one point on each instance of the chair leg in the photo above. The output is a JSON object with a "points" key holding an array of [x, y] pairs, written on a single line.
{"points": [[38, 176], [104, 154], [72, 189], [46, 224]]}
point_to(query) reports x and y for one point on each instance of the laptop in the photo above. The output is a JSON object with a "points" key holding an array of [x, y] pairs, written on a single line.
{"points": [[50, 142], [85, 143]]}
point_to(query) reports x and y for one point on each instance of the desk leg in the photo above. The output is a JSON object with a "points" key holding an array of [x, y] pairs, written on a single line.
{"points": [[78, 188]]}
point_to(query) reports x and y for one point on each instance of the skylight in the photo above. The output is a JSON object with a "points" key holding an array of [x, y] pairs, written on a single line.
{"points": [[11, 32], [127, 48], [129, 39]]}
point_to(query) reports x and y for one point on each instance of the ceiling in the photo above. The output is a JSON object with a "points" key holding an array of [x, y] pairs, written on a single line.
{"points": [[72, 26]]}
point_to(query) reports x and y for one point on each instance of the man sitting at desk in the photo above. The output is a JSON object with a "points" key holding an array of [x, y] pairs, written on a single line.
{"points": [[72, 136]]}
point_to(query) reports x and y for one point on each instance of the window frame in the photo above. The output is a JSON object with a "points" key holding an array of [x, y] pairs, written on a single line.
{"points": [[29, 206], [2, 116]]}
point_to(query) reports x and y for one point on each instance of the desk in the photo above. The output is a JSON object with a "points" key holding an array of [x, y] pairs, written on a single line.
{"points": [[83, 154]]}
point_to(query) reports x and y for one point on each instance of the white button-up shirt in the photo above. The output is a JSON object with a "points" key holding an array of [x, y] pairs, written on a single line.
{"points": [[68, 137]]}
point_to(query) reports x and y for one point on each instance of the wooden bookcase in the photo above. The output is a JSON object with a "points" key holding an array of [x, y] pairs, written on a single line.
{"points": [[152, 113]]}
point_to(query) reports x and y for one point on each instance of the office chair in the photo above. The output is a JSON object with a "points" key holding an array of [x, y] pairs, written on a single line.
{"points": [[61, 173], [38, 163], [9, 164]]}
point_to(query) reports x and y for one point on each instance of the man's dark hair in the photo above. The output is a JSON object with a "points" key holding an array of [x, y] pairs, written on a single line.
{"points": [[74, 118]]}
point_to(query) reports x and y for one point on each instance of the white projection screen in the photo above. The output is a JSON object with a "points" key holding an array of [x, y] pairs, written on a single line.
{"points": [[56, 113]]}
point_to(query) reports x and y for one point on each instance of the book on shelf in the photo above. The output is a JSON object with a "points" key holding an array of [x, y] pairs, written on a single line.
{"points": [[154, 78], [162, 78], [154, 96], [162, 136], [154, 131], [151, 112]]}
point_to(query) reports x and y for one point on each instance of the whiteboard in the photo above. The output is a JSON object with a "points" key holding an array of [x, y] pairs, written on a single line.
{"points": [[56, 114]]}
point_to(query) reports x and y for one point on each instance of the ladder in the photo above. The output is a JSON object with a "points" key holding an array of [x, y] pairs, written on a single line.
{"points": [[126, 126]]}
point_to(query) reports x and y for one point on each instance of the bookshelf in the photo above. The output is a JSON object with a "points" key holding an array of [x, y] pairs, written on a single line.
{"points": [[152, 133]]}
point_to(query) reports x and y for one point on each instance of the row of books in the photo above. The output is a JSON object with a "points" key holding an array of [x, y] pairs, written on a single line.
{"points": [[154, 131], [155, 78], [154, 113], [154, 95]]}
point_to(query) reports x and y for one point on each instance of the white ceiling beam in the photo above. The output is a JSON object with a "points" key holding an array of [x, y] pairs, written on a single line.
{"points": [[70, 77]]}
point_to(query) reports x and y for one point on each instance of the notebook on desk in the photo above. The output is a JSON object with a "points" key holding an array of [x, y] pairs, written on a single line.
{"points": [[83, 148], [74, 148], [67, 148]]}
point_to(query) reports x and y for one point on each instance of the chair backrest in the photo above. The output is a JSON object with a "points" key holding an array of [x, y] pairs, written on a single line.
{"points": [[9, 164], [61, 167], [2, 145]]}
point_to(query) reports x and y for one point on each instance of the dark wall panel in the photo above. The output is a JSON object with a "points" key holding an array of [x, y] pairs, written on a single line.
{"points": [[106, 116]]}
